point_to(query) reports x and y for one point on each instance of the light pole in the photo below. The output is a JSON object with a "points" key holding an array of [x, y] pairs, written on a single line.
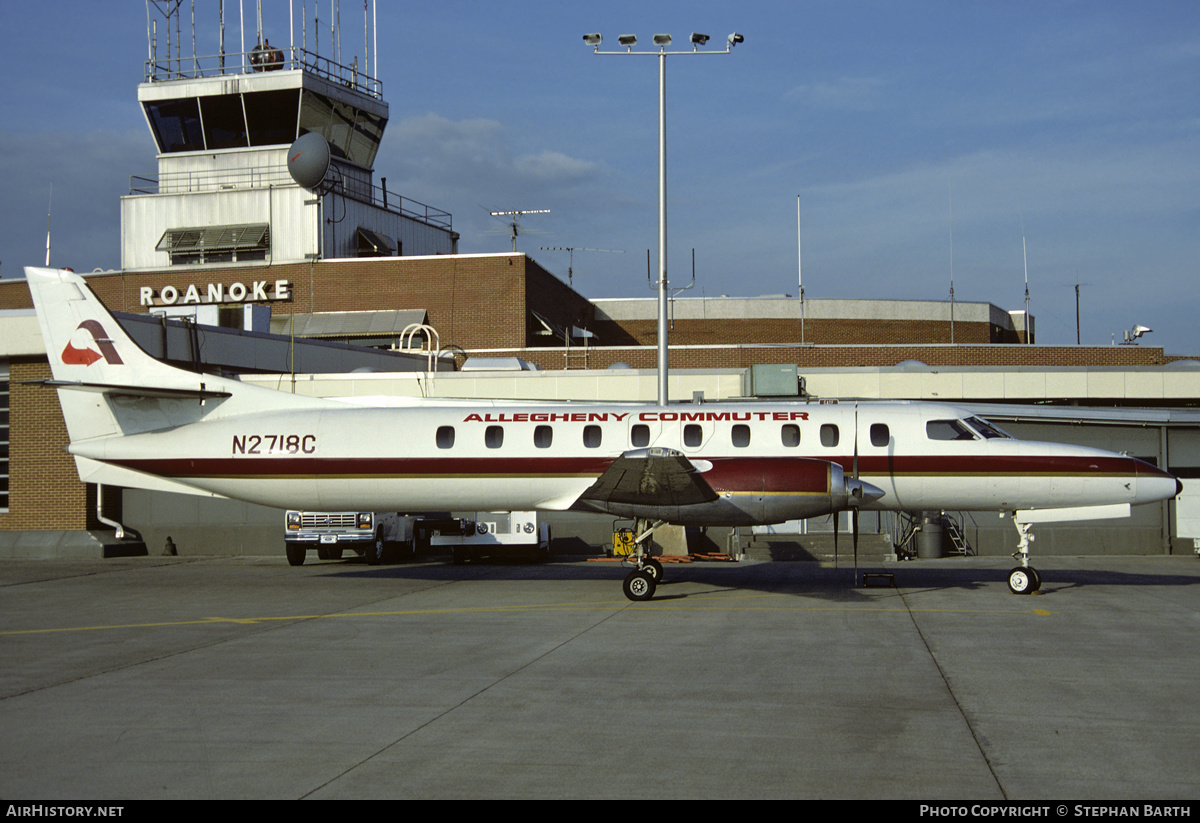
{"points": [[662, 41]]}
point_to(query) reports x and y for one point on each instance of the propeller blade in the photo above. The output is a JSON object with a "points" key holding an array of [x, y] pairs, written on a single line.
{"points": [[854, 528], [855, 441], [837, 519]]}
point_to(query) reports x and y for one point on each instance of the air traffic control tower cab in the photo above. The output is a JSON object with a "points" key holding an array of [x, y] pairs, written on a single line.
{"points": [[223, 123]]}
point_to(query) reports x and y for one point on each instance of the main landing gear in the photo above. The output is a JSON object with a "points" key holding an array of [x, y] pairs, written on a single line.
{"points": [[1024, 579], [642, 581]]}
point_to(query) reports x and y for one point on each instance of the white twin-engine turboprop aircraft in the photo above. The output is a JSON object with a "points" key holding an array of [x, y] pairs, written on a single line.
{"points": [[136, 422]]}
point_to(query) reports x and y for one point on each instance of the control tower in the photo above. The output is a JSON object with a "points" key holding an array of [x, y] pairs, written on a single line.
{"points": [[223, 118]]}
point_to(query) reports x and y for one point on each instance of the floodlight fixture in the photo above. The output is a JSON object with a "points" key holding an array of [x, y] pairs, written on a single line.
{"points": [[1137, 331], [662, 43]]}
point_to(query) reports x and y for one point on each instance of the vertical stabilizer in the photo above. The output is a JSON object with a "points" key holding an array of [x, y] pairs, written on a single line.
{"points": [[107, 384]]}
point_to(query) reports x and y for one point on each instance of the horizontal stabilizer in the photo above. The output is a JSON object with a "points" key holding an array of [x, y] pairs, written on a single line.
{"points": [[133, 391]]}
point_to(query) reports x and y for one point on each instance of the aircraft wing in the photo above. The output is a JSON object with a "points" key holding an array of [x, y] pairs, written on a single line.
{"points": [[649, 477]]}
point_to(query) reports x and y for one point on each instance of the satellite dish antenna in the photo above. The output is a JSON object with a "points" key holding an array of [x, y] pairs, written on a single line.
{"points": [[308, 161]]}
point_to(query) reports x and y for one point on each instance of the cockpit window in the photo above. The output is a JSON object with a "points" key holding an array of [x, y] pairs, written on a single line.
{"points": [[987, 429], [948, 430]]}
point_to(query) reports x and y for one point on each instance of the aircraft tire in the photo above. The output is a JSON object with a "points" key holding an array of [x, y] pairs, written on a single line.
{"points": [[1037, 579], [295, 553], [1021, 581], [639, 585], [655, 568]]}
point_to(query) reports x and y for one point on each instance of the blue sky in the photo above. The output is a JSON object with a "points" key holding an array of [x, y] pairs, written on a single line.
{"points": [[923, 139]]}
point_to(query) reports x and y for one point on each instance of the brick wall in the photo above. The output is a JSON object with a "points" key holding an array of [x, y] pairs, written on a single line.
{"points": [[44, 490], [811, 357], [483, 302]]}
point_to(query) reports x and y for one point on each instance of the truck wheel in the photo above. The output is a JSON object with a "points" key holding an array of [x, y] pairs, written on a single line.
{"points": [[295, 553], [376, 550]]}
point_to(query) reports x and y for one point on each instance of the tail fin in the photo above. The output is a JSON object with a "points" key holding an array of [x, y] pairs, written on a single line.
{"points": [[85, 344], [91, 356], [108, 387]]}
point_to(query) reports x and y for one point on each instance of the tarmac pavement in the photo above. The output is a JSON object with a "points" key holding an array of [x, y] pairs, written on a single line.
{"points": [[243, 677]]}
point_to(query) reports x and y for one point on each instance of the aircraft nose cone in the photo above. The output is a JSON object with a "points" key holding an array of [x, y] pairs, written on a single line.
{"points": [[1154, 484]]}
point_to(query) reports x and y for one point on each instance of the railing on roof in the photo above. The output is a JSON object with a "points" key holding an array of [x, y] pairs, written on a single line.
{"points": [[277, 175], [262, 60]]}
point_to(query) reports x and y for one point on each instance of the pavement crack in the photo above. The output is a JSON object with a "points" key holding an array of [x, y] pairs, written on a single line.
{"points": [[954, 697]]}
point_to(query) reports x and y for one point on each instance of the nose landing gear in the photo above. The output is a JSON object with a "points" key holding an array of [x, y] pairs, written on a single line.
{"points": [[1024, 579]]}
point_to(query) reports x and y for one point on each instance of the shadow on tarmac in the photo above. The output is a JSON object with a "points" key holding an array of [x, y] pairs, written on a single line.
{"points": [[800, 579]]}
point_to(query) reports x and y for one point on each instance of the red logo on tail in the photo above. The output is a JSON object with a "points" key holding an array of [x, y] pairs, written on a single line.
{"points": [[85, 354]]}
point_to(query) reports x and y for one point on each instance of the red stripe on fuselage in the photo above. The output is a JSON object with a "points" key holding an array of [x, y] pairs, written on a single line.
{"points": [[727, 473]]}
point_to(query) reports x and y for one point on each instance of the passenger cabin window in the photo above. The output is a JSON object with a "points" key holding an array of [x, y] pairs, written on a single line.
{"points": [[947, 430], [445, 437], [829, 435], [543, 436], [880, 436], [790, 435], [692, 435], [493, 437], [741, 435], [591, 437], [639, 435]]}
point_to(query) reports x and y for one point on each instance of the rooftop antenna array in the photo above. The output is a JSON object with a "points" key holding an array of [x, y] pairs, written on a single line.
{"points": [[950, 195], [169, 63], [571, 258], [1025, 259], [49, 203], [800, 269], [514, 215]]}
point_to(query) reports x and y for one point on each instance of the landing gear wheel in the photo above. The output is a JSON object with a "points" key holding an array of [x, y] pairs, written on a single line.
{"points": [[654, 568], [1037, 578], [1023, 580], [639, 585], [295, 553], [377, 550]]}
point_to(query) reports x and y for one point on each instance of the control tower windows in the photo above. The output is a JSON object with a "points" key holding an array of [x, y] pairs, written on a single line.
{"points": [[224, 122], [176, 124], [271, 116]]}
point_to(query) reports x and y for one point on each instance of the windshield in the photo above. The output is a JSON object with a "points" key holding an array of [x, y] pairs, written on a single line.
{"points": [[987, 429], [948, 430]]}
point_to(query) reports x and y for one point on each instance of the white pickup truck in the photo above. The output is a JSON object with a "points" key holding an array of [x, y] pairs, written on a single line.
{"points": [[378, 536], [390, 536]]}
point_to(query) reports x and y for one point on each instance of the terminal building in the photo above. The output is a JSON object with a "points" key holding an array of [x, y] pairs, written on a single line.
{"points": [[336, 285]]}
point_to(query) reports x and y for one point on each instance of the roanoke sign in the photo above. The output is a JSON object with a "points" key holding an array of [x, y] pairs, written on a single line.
{"points": [[258, 291]]}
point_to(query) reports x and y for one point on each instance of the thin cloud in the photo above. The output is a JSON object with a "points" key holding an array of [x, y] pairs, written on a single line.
{"points": [[843, 94]]}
